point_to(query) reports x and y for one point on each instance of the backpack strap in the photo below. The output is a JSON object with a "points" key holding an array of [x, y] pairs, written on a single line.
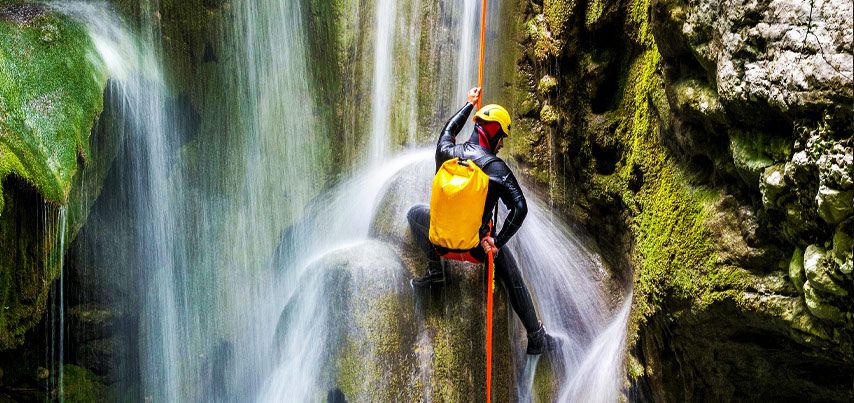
{"points": [[485, 160]]}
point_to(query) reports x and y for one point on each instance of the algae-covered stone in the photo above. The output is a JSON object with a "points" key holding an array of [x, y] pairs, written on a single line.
{"points": [[549, 115], [818, 271], [365, 321], [547, 84], [819, 308], [842, 251], [80, 385], [834, 205], [51, 91], [773, 183], [752, 152], [698, 101], [796, 269], [842, 245]]}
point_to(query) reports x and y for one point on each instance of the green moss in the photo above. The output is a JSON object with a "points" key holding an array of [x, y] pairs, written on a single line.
{"points": [[549, 115], [558, 14], [595, 8], [80, 385], [546, 85], [754, 151], [545, 381], [51, 88], [373, 364], [674, 254]]}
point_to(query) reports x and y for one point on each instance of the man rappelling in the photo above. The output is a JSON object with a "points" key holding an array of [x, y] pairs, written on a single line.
{"points": [[470, 181]]}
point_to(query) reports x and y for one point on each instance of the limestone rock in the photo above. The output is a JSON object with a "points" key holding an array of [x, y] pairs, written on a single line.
{"points": [[697, 101], [753, 151], [819, 308], [51, 93], [836, 167], [834, 205], [549, 115], [796, 269], [547, 85], [772, 184], [842, 251], [798, 170], [818, 271]]}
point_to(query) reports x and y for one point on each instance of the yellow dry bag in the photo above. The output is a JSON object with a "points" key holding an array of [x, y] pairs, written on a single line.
{"points": [[456, 204]]}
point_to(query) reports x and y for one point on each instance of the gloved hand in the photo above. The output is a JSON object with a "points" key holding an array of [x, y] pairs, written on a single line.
{"points": [[488, 244], [474, 95]]}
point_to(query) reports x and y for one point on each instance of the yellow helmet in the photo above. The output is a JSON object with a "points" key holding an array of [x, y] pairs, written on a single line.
{"points": [[495, 113]]}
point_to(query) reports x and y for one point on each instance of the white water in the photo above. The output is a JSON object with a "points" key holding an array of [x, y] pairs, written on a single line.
{"points": [[56, 228], [209, 297], [340, 218], [382, 96], [139, 94]]}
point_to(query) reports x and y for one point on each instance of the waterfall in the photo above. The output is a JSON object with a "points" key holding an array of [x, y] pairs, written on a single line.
{"points": [[196, 220], [56, 228], [382, 96], [152, 180], [566, 275]]}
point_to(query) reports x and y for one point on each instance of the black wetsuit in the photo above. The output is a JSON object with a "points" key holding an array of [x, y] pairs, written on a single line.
{"points": [[502, 186]]}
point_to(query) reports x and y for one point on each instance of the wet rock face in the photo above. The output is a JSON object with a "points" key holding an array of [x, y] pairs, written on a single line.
{"points": [[727, 126], [773, 78], [795, 57], [381, 341]]}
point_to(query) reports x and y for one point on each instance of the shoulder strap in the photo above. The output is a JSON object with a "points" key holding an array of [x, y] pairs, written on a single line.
{"points": [[485, 160]]}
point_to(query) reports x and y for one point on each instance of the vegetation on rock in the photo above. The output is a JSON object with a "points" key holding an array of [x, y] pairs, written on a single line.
{"points": [[51, 92], [714, 183]]}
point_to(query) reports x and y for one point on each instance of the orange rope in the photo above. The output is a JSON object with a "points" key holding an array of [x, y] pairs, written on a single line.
{"points": [[480, 66], [489, 276], [489, 286]]}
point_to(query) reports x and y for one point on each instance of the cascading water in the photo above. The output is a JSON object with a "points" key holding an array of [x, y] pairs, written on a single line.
{"points": [[381, 96], [152, 179], [56, 316]]}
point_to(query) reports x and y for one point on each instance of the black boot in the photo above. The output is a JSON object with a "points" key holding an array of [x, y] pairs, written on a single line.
{"points": [[540, 342], [435, 277]]}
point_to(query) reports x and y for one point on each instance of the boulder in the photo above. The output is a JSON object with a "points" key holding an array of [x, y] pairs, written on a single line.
{"points": [[51, 93], [819, 308], [772, 185], [818, 269], [834, 205], [796, 269], [384, 343], [836, 166], [547, 85]]}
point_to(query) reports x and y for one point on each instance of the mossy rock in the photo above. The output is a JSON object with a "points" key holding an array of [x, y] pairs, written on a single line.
{"points": [[80, 385], [51, 93]]}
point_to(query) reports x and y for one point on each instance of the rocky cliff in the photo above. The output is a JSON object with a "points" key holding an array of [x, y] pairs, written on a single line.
{"points": [[711, 141]]}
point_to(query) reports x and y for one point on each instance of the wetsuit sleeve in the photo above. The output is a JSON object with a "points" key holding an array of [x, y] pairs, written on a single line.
{"points": [[517, 208], [447, 140]]}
